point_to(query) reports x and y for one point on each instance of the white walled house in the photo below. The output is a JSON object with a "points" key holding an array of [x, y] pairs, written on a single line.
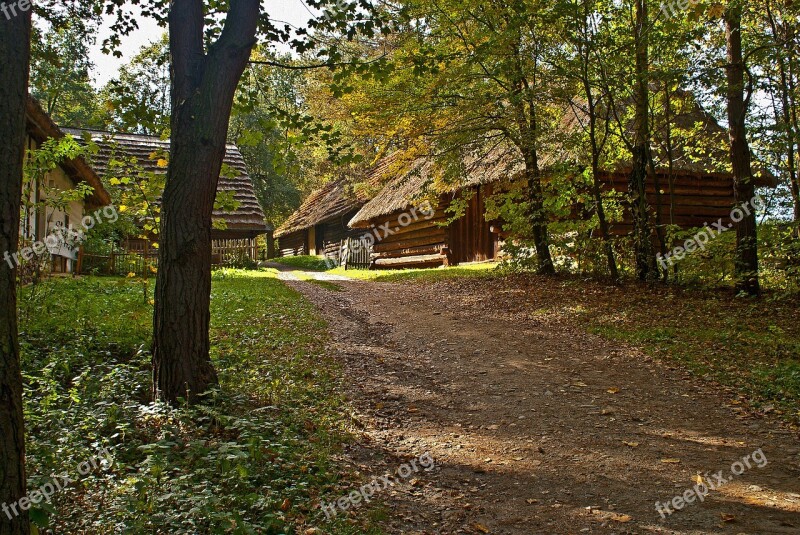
{"points": [[38, 222]]}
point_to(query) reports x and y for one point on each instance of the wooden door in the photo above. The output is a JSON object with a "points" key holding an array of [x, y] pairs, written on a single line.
{"points": [[470, 238]]}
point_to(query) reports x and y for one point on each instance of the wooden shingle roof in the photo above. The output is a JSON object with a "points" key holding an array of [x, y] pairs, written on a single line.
{"points": [[145, 149], [415, 180]]}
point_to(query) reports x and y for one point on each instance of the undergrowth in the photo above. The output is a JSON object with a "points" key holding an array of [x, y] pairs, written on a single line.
{"points": [[258, 458]]}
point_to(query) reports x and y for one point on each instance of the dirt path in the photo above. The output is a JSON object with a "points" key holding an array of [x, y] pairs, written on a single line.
{"points": [[537, 427]]}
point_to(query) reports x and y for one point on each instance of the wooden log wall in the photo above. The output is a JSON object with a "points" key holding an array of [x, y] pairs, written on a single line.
{"points": [[696, 200], [420, 243], [334, 234], [293, 244], [470, 238]]}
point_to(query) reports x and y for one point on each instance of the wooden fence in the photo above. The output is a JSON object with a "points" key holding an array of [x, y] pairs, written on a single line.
{"points": [[119, 263], [142, 259], [356, 254], [234, 252]]}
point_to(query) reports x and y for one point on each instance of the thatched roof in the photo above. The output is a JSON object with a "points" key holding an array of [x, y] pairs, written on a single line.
{"points": [[147, 151], [502, 162], [416, 179], [336, 199], [41, 128], [700, 143]]}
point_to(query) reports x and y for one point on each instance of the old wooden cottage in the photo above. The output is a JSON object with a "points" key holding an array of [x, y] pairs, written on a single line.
{"points": [[38, 216], [320, 225], [236, 233], [410, 222], [690, 189]]}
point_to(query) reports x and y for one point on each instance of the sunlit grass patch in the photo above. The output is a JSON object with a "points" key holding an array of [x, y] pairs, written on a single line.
{"points": [[257, 459], [485, 269], [308, 263]]}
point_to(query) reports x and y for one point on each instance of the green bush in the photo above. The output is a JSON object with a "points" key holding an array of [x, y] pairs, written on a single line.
{"points": [[255, 459]]}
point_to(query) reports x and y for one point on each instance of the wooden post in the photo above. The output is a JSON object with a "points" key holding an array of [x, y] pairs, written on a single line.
{"points": [[80, 262]]}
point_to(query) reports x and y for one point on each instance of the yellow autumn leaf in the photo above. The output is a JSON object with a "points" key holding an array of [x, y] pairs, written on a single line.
{"points": [[716, 11], [483, 529], [122, 208], [698, 479], [162, 162], [613, 390], [670, 461], [631, 444]]}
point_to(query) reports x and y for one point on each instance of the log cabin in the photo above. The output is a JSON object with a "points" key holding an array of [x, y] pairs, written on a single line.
{"points": [[236, 232], [691, 189], [430, 241], [38, 218], [320, 226]]}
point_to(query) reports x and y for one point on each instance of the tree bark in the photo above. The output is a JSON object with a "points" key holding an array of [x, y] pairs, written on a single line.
{"points": [[15, 41], [784, 40], [526, 122], [541, 238], [746, 261], [203, 87], [585, 47], [644, 254]]}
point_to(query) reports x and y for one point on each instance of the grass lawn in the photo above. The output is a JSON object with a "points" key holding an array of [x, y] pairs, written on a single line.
{"points": [[257, 460], [486, 269], [307, 263]]}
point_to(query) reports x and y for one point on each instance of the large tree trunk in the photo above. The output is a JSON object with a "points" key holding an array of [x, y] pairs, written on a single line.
{"points": [[15, 41], [746, 261], [203, 87], [640, 212]]}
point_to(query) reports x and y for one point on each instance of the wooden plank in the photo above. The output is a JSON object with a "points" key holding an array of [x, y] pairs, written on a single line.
{"points": [[405, 244], [393, 225], [403, 235], [413, 251], [409, 261]]}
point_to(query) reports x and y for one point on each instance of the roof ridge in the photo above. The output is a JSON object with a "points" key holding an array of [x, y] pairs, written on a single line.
{"points": [[131, 137]]}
